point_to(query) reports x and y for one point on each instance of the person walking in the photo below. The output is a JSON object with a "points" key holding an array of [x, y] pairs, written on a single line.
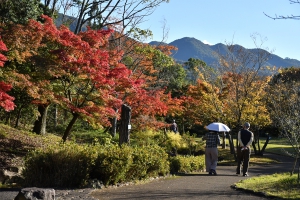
{"points": [[173, 127], [245, 139], [211, 151]]}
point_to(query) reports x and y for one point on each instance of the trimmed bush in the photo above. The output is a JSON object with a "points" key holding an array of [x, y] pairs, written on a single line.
{"points": [[148, 161], [72, 165], [186, 164], [158, 164], [112, 163], [64, 165], [140, 161]]}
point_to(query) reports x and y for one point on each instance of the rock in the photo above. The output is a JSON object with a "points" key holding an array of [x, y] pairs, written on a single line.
{"points": [[36, 194], [95, 184], [11, 175]]}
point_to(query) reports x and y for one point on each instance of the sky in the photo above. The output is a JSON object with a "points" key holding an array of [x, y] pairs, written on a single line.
{"points": [[229, 21]]}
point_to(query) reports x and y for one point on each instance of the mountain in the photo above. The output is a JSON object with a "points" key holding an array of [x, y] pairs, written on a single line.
{"points": [[68, 20], [193, 48]]}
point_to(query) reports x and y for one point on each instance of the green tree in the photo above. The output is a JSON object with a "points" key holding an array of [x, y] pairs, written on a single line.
{"points": [[194, 68], [175, 80], [19, 11], [284, 105]]}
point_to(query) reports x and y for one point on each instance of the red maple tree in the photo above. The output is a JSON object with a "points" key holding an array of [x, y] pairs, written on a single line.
{"points": [[6, 101]]}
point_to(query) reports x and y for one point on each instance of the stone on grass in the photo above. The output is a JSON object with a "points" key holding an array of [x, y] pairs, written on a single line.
{"points": [[34, 193]]}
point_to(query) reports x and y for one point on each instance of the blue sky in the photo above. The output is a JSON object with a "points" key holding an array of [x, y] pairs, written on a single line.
{"points": [[230, 21]]}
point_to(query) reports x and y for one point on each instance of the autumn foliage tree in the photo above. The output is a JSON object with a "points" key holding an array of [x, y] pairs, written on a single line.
{"points": [[246, 77], [6, 101], [149, 64], [77, 72]]}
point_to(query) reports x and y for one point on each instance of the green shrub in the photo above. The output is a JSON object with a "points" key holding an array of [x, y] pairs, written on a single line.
{"points": [[174, 140], [64, 165], [148, 161], [186, 164], [115, 164], [112, 163], [140, 161], [192, 145], [158, 163], [185, 144], [71, 165], [145, 138]]}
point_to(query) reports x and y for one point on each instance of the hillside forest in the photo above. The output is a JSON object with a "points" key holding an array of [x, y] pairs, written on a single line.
{"points": [[57, 80]]}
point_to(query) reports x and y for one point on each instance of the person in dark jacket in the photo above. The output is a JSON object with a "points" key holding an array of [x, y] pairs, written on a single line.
{"points": [[245, 139], [211, 151], [173, 127]]}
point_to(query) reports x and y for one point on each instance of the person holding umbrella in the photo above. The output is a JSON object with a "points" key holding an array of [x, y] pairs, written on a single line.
{"points": [[211, 151], [212, 141]]}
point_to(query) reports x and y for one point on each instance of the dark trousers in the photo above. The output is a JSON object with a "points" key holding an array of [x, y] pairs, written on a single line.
{"points": [[243, 156]]}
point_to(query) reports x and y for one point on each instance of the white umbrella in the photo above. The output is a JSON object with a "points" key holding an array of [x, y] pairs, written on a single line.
{"points": [[217, 126]]}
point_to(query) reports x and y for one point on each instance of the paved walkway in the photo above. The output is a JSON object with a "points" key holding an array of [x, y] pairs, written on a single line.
{"points": [[194, 186]]}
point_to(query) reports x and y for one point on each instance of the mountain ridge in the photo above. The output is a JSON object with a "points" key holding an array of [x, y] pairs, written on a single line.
{"points": [[189, 47]]}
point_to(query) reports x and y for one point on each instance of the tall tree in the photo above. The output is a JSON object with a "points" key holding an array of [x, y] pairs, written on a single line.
{"points": [[19, 11], [78, 72], [284, 105], [245, 68], [150, 65], [246, 77], [6, 101], [29, 61], [194, 68], [118, 13]]}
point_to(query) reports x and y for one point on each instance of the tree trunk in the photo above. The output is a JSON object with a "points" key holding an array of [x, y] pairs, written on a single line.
{"points": [[113, 129], [257, 150], [44, 121], [231, 143], [294, 165], [124, 135], [40, 123], [69, 127], [55, 115], [265, 145], [254, 148], [224, 140], [7, 119], [18, 117], [298, 172]]}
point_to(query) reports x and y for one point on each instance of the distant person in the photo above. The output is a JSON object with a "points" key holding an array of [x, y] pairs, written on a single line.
{"points": [[245, 139], [174, 127], [211, 151]]}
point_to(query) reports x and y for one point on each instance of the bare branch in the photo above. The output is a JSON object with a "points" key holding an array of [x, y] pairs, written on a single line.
{"points": [[295, 17]]}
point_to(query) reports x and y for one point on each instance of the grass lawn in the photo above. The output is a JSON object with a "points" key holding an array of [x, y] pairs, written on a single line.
{"points": [[227, 159], [279, 146], [283, 186]]}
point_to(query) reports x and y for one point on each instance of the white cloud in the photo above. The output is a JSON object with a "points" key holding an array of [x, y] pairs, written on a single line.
{"points": [[206, 42]]}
